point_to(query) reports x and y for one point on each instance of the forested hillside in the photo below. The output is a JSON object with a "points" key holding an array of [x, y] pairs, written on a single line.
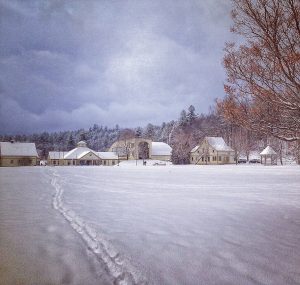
{"points": [[182, 135]]}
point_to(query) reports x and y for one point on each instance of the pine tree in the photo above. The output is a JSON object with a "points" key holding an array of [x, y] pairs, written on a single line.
{"points": [[149, 132], [138, 132], [71, 143], [183, 118], [83, 136], [191, 115]]}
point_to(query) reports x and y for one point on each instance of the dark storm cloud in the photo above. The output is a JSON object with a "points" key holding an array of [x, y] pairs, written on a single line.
{"points": [[69, 64]]}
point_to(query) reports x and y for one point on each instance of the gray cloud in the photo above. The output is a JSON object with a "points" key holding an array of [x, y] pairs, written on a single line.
{"points": [[70, 64]]}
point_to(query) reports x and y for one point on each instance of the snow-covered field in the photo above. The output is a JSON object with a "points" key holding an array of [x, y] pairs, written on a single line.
{"points": [[150, 225]]}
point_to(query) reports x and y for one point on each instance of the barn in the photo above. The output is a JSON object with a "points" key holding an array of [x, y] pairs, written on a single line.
{"points": [[18, 154]]}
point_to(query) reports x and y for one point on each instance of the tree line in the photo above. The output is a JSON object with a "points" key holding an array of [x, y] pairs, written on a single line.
{"points": [[182, 135]]}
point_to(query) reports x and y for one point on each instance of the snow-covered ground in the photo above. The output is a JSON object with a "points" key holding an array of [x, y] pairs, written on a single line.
{"points": [[150, 225]]}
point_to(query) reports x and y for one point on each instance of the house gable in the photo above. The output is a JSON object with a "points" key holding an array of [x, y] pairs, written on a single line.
{"points": [[89, 156]]}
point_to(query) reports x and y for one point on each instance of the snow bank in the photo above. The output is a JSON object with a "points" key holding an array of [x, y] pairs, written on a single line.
{"points": [[139, 163]]}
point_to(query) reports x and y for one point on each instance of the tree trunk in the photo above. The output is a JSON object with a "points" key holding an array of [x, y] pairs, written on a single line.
{"points": [[280, 153], [298, 152]]}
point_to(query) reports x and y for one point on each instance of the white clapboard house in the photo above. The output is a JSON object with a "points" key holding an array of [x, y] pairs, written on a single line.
{"points": [[212, 150]]}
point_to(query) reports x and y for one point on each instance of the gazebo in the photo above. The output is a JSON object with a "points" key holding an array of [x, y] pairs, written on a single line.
{"points": [[268, 156]]}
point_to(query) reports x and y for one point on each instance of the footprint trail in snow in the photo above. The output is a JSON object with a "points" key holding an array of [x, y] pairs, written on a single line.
{"points": [[117, 266]]}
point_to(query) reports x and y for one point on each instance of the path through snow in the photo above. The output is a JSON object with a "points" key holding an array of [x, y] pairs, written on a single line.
{"points": [[118, 268], [156, 225]]}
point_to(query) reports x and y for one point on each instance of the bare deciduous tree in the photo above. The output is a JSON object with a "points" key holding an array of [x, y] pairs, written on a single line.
{"points": [[263, 84], [123, 145]]}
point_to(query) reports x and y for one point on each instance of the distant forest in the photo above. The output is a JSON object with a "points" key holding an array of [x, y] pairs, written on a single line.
{"points": [[182, 135]]}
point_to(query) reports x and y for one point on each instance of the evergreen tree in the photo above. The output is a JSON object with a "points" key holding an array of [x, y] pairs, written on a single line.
{"points": [[71, 142], [83, 136], [138, 132], [183, 118], [149, 132], [191, 115]]}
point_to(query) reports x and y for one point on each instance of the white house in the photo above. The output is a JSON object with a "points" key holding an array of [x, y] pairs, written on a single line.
{"points": [[212, 150]]}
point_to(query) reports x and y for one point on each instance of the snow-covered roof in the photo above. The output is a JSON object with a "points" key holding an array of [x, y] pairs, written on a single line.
{"points": [[78, 152], [18, 149], [57, 154], [81, 144], [161, 148], [268, 151], [195, 148], [218, 144], [81, 155], [107, 155]]}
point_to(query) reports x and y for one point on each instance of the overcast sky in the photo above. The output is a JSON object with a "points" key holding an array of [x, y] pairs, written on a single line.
{"points": [[70, 64]]}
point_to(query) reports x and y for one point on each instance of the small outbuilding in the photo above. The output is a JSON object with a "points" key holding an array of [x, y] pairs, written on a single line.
{"points": [[268, 156]]}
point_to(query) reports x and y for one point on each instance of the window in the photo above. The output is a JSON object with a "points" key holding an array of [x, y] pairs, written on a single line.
{"points": [[104, 162], [208, 158], [192, 158], [220, 158], [202, 158], [69, 163], [213, 150], [113, 162], [73, 162], [54, 161], [11, 162]]}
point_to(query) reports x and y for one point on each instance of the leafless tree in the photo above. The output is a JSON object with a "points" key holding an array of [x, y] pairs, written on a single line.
{"points": [[263, 73], [123, 143]]}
